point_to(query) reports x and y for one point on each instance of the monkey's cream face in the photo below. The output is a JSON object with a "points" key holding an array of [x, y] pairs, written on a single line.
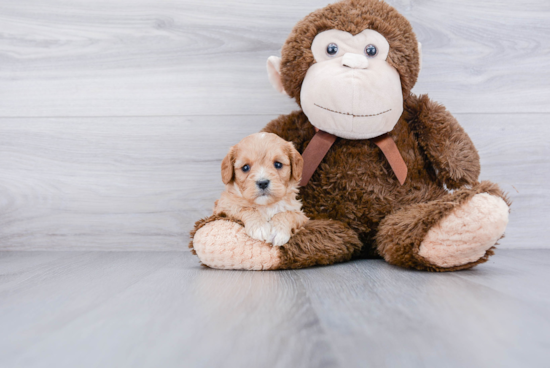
{"points": [[352, 91]]}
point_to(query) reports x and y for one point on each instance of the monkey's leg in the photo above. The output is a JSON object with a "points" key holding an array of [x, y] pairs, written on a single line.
{"points": [[222, 243], [455, 232]]}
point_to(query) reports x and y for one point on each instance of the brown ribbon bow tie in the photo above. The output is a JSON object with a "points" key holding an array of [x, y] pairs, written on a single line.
{"points": [[322, 141]]}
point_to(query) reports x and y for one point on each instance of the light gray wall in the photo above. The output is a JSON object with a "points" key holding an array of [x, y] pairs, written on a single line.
{"points": [[115, 114]]}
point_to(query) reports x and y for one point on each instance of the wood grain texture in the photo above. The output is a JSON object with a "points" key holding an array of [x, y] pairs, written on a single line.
{"points": [[196, 57], [117, 183], [141, 183], [114, 115], [161, 309]]}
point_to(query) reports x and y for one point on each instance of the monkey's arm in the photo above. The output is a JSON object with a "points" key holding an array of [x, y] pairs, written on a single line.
{"points": [[293, 127], [445, 143]]}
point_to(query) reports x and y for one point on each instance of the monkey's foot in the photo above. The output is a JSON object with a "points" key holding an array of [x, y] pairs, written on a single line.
{"points": [[465, 235], [225, 245], [221, 242]]}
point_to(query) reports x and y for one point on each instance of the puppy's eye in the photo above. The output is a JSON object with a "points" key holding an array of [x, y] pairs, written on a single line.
{"points": [[245, 168], [278, 165]]}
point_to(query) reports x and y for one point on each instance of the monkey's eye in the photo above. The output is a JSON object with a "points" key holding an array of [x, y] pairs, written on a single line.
{"points": [[278, 165], [245, 168], [371, 50], [332, 49]]}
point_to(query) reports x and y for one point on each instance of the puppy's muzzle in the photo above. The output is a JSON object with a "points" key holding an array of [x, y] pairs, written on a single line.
{"points": [[262, 184]]}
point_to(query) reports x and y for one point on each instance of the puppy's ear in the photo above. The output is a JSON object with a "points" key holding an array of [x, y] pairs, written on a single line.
{"points": [[296, 162], [228, 166]]}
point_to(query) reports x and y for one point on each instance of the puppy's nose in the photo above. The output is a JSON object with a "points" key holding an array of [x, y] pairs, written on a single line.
{"points": [[262, 184]]}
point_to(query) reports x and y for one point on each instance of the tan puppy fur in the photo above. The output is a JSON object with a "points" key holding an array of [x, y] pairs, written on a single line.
{"points": [[261, 175]]}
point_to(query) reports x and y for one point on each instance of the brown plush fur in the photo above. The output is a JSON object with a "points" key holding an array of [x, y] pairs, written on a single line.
{"points": [[320, 243], [400, 234], [354, 186]]}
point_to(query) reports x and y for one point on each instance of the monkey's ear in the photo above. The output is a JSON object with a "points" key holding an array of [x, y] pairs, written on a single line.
{"points": [[228, 169], [274, 73], [296, 162], [419, 57]]}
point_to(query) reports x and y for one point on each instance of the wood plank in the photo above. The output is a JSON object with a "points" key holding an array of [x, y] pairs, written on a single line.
{"points": [[141, 183], [155, 309], [387, 316], [111, 183], [151, 309], [507, 274], [151, 58]]}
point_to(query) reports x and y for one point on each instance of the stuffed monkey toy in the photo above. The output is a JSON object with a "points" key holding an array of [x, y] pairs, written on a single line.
{"points": [[386, 173]]}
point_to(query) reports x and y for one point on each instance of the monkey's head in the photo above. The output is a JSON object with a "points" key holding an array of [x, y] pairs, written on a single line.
{"points": [[349, 66]]}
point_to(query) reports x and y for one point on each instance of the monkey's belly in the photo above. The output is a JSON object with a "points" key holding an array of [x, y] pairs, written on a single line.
{"points": [[356, 208], [362, 205]]}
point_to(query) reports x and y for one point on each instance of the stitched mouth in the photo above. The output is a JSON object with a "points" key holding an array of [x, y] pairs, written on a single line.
{"points": [[347, 113]]}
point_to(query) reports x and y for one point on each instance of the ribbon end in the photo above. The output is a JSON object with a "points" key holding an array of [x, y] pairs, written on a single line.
{"points": [[402, 176]]}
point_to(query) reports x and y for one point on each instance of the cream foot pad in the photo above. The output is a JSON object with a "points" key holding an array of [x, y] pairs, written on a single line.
{"points": [[225, 245], [467, 233]]}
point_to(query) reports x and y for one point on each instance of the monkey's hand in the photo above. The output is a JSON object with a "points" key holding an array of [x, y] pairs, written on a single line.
{"points": [[285, 224]]}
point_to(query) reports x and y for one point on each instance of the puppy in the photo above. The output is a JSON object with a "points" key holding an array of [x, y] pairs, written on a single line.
{"points": [[261, 175]]}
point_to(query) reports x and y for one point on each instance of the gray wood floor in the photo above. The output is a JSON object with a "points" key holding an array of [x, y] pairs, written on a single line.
{"points": [[115, 115], [161, 309]]}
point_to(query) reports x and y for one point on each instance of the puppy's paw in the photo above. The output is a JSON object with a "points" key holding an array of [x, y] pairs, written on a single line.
{"points": [[280, 235], [259, 231]]}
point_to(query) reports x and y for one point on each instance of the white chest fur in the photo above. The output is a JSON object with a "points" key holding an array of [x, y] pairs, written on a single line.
{"points": [[278, 207]]}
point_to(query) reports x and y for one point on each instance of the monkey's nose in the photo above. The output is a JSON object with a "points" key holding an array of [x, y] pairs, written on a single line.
{"points": [[355, 61], [262, 184]]}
